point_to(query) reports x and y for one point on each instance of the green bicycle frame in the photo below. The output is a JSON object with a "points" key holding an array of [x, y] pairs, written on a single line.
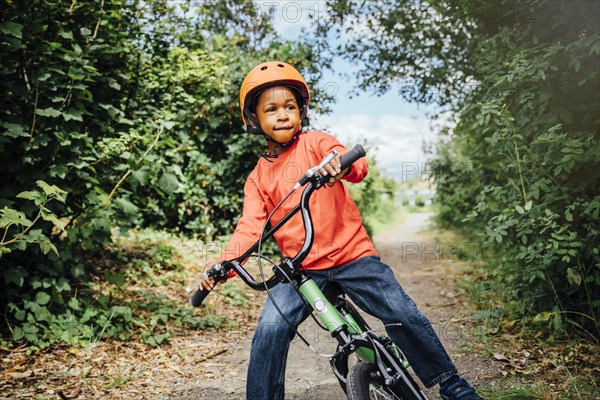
{"points": [[331, 317]]}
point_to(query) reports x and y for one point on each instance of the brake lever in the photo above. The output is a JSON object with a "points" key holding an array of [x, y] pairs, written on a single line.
{"points": [[212, 272], [312, 171]]}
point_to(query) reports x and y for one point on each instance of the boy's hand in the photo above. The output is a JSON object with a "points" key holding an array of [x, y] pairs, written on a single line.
{"points": [[209, 283], [333, 169]]}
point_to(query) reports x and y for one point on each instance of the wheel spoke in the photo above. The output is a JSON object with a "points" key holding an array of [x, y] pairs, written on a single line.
{"points": [[377, 392]]}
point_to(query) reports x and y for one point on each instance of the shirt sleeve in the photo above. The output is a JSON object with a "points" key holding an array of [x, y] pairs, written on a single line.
{"points": [[358, 171], [249, 225]]}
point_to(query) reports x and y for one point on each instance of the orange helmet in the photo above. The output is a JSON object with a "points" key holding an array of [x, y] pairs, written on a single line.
{"points": [[264, 76]]}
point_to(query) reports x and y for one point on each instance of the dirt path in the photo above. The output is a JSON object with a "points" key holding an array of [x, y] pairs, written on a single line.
{"points": [[420, 264], [212, 364]]}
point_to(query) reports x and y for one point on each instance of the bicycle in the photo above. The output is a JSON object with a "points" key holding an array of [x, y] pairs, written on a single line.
{"points": [[381, 372]]}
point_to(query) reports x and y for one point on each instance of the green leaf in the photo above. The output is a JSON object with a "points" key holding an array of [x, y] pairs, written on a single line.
{"points": [[49, 216], [568, 216], [15, 130], [519, 209], [8, 216], [52, 191], [75, 115], [557, 322], [62, 285], [127, 206], [42, 298], [20, 315], [12, 28], [15, 275], [66, 35], [31, 195], [574, 277], [168, 183], [116, 279], [114, 84], [141, 175], [74, 304], [48, 112], [528, 205], [542, 317], [17, 333], [46, 245]]}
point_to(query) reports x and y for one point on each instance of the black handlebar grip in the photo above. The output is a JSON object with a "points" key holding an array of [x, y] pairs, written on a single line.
{"points": [[350, 157], [197, 298]]}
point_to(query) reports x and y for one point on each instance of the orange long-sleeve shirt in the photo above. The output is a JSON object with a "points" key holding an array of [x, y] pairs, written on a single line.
{"points": [[339, 234]]}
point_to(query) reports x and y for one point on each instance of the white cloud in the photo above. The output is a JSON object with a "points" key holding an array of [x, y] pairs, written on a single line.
{"points": [[396, 141]]}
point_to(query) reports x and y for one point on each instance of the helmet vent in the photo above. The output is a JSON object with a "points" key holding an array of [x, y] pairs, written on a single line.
{"points": [[263, 68], [280, 65]]}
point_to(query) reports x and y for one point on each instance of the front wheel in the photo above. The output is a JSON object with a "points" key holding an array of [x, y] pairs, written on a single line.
{"points": [[365, 383]]}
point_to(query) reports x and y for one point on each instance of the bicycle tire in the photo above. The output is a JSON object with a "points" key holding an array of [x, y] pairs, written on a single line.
{"points": [[361, 384]]}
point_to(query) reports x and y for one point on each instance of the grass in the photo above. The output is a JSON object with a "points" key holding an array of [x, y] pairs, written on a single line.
{"points": [[532, 361], [569, 388], [518, 392], [143, 323]]}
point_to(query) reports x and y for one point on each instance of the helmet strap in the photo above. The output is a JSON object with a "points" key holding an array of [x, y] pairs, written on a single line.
{"points": [[304, 116], [282, 145]]}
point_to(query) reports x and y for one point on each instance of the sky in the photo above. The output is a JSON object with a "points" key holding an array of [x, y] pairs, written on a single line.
{"points": [[393, 128]]}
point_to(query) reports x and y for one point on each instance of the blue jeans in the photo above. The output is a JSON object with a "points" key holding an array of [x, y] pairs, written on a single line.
{"points": [[371, 285]]}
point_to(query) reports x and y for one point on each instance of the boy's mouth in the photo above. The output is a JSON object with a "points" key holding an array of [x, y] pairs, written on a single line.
{"points": [[282, 128]]}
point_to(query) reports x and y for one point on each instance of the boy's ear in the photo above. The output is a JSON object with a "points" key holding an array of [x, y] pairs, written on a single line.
{"points": [[252, 119], [253, 126]]}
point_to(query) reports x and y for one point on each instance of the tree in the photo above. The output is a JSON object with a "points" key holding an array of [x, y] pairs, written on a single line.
{"points": [[520, 166], [116, 115]]}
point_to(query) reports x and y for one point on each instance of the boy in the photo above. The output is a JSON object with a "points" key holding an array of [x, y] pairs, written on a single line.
{"points": [[274, 101]]}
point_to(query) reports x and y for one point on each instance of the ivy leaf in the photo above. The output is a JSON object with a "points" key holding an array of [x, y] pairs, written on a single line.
{"points": [[33, 195], [8, 216], [49, 216], [116, 279], [52, 191], [168, 183], [74, 304], [15, 130], [48, 112], [42, 298], [66, 34], [12, 28], [16, 275], [141, 175], [75, 115], [127, 206], [46, 245]]}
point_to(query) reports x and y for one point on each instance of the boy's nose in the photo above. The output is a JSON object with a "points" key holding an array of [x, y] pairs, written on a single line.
{"points": [[282, 115]]}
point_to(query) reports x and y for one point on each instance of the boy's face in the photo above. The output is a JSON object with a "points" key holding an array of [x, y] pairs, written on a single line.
{"points": [[278, 113]]}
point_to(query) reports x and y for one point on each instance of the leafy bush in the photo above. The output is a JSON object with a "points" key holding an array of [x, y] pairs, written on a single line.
{"points": [[125, 115], [530, 131], [519, 164], [375, 197]]}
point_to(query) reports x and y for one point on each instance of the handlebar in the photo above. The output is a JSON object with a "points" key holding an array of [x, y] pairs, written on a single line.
{"points": [[220, 271], [350, 157]]}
